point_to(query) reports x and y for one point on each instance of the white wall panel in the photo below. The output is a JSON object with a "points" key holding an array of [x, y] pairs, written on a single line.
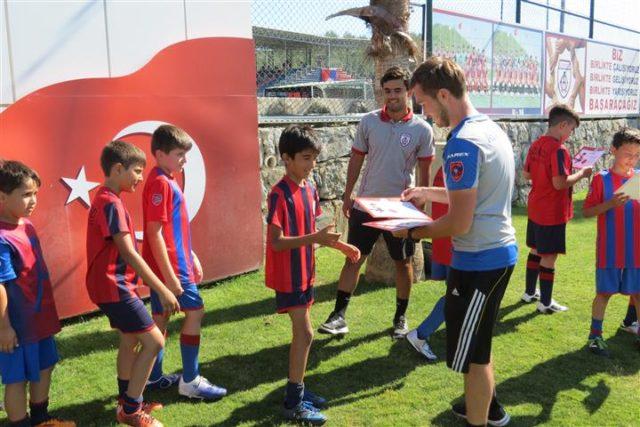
{"points": [[215, 18], [6, 93], [56, 41], [140, 29]]}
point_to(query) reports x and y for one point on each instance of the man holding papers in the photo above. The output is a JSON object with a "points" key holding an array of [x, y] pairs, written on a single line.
{"points": [[393, 140], [479, 175]]}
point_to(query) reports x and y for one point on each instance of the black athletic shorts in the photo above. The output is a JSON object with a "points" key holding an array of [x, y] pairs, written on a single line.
{"points": [[363, 237], [471, 309], [546, 239]]}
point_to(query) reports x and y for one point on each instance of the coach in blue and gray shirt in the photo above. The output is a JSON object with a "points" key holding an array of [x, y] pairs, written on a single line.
{"points": [[479, 172]]}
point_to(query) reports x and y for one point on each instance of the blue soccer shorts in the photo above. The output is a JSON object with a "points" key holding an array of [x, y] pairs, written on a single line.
{"points": [[129, 316], [27, 360], [624, 281], [190, 300]]}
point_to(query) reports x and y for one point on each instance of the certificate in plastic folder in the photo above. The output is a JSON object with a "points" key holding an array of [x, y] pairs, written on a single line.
{"points": [[395, 214], [631, 188]]}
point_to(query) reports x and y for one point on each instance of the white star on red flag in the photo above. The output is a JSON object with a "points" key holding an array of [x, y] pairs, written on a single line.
{"points": [[80, 188]]}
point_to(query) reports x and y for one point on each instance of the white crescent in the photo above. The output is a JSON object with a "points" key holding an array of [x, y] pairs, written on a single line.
{"points": [[194, 171]]}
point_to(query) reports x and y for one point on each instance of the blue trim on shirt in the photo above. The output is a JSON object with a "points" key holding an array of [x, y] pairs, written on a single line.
{"points": [[461, 164], [473, 117], [489, 259]]}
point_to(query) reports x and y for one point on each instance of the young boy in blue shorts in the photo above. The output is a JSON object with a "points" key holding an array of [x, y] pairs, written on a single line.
{"points": [[167, 250], [294, 205], [28, 316], [618, 246], [113, 267]]}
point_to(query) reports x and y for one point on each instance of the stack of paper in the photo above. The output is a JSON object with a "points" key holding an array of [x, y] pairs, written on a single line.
{"points": [[631, 188], [395, 214]]}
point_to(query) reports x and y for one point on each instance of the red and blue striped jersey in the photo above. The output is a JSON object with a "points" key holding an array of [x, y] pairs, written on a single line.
{"points": [[32, 310], [294, 210], [164, 202], [618, 245], [109, 277], [442, 248]]}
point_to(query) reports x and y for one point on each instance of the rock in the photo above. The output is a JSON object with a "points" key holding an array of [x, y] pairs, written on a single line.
{"points": [[330, 177], [381, 268], [336, 142]]}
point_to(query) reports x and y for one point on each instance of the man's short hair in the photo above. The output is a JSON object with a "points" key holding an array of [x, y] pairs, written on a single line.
{"points": [[169, 137], [626, 135], [297, 138], [562, 113], [121, 152], [14, 173], [439, 73], [396, 73]]}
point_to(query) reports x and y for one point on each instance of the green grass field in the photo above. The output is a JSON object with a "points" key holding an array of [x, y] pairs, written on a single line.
{"points": [[544, 374]]}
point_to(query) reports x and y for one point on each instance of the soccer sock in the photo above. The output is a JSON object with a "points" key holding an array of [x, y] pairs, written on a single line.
{"points": [[189, 347], [596, 328], [494, 401], [342, 302], [631, 316], [123, 385], [533, 266], [433, 321], [25, 422], [401, 308], [293, 395], [131, 405], [39, 412], [546, 285], [156, 372]]}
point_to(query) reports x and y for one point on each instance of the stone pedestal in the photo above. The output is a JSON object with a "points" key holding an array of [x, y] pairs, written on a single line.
{"points": [[380, 267]]}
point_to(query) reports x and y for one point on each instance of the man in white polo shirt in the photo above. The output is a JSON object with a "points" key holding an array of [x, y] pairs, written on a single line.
{"points": [[393, 140], [479, 172]]}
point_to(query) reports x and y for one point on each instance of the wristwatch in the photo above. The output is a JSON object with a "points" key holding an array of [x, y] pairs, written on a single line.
{"points": [[410, 235]]}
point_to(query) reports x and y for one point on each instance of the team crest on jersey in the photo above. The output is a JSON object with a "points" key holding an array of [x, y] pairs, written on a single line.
{"points": [[456, 169], [405, 139], [156, 199]]}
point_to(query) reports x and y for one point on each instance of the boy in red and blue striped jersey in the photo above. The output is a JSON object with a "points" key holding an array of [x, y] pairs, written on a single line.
{"points": [[167, 250], [28, 316], [294, 205], [618, 247], [113, 267]]}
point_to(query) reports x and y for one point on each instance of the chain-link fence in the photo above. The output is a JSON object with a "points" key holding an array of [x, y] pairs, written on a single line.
{"points": [[310, 65], [562, 16]]}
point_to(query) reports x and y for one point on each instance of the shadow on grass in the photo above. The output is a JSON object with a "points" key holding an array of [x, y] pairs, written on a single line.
{"points": [[98, 412], [545, 381], [342, 386], [97, 341]]}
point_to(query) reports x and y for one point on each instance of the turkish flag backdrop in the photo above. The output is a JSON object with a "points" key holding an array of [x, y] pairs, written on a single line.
{"points": [[205, 86]]}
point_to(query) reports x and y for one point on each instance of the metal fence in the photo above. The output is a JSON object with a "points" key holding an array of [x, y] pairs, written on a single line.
{"points": [[312, 67]]}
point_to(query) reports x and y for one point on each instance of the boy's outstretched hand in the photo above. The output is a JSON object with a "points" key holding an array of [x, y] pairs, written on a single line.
{"points": [[8, 339], [351, 252], [326, 236]]}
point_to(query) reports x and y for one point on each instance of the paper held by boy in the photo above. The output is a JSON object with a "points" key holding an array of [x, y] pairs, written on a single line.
{"points": [[393, 214], [587, 157], [631, 188]]}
